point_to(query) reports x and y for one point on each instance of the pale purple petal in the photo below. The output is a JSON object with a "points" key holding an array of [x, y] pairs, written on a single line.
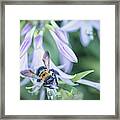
{"points": [[67, 64], [67, 52], [38, 40], [62, 74], [71, 26], [61, 35], [89, 83], [64, 22], [24, 62], [95, 24], [86, 34], [24, 82], [37, 59], [26, 28], [64, 49], [38, 53], [61, 66], [26, 42]]}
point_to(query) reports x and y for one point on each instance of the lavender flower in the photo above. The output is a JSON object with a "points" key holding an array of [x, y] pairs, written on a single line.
{"points": [[61, 41], [86, 29], [37, 61]]}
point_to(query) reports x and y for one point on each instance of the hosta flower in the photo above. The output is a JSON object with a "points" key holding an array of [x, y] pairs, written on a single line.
{"points": [[61, 41], [86, 29], [37, 62]]}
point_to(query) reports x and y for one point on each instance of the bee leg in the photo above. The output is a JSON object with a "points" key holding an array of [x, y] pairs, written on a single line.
{"points": [[56, 82]]}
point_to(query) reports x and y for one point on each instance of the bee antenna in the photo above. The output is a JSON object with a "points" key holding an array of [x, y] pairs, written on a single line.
{"points": [[46, 54], [46, 59]]}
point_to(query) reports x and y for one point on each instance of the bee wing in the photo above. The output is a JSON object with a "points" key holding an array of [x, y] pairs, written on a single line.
{"points": [[46, 59], [29, 73]]}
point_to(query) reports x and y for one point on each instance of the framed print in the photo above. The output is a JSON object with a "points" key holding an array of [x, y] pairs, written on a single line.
{"points": [[59, 59]]}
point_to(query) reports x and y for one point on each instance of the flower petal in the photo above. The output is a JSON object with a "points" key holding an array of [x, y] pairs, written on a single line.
{"points": [[62, 35], [38, 40], [64, 49], [85, 34], [95, 24], [71, 26], [38, 53], [67, 65], [26, 28], [26, 42], [62, 74], [67, 52], [24, 62], [24, 81], [37, 59], [61, 66], [89, 83]]}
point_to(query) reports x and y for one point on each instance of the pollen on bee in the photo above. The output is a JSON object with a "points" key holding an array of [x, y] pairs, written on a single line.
{"points": [[44, 75]]}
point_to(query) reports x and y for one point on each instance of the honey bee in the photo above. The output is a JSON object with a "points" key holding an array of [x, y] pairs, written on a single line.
{"points": [[44, 74]]}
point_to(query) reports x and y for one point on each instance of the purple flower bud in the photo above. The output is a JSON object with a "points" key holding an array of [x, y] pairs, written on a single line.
{"points": [[64, 49], [61, 35], [26, 29], [26, 42]]}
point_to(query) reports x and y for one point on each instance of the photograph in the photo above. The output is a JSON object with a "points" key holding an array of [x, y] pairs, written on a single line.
{"points": [[59, 59]]}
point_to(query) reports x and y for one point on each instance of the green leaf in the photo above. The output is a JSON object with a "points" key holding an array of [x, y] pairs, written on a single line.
{"points": [[65, 87], [81, 75]]}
